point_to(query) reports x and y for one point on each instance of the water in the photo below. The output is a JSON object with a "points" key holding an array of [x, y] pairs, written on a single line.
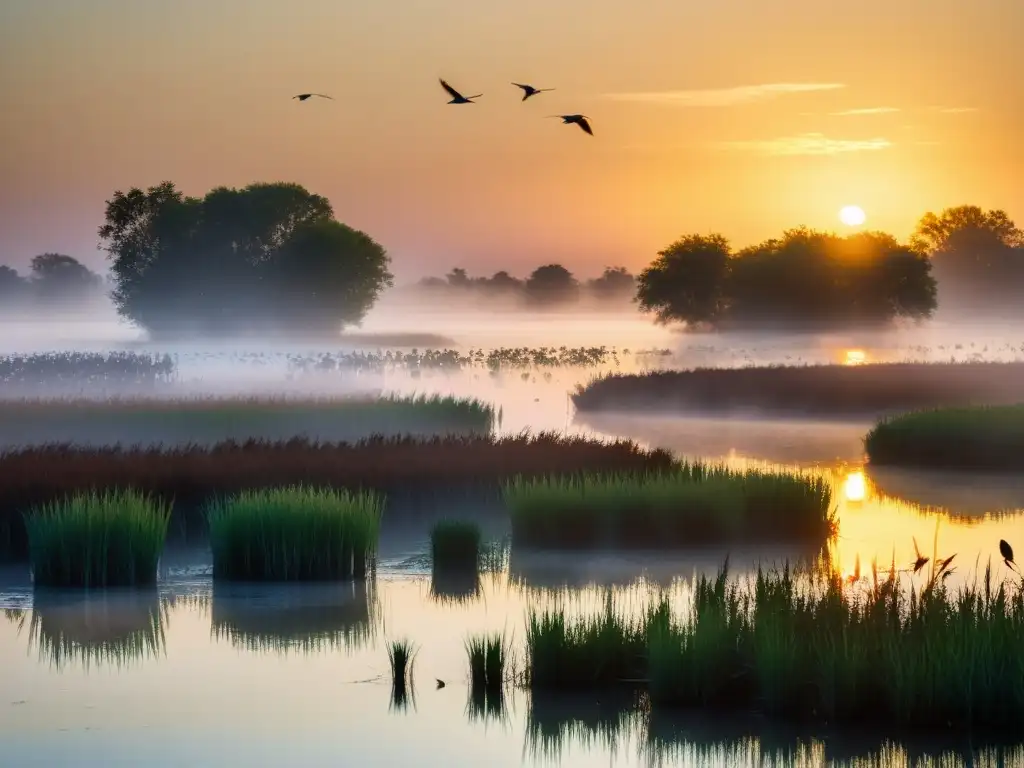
{"points": [[192, 674]]}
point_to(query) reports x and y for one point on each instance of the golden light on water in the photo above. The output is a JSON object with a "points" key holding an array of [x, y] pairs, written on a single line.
{"points": [[855, 486], [855, 357]]}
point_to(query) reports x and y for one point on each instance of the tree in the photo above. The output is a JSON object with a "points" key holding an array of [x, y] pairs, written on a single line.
{"points": [[686, 282], [13, 288], [615, 283], [551, 284], [503, 283], [977, 257], [59, 279], [265, 257]]}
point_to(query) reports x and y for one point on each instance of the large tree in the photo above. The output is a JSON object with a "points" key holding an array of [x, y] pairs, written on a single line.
{"points": [[977, 258], [686, 283], [268, 257]]}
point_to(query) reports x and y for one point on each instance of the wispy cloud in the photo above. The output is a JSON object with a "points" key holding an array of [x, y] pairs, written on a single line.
{"points": [[954, 110], [809, 144], [724, 97], [866, 111]]}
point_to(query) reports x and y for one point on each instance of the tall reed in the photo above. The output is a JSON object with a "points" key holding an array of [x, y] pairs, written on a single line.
{"points": [[107, 539], [294, 534]]}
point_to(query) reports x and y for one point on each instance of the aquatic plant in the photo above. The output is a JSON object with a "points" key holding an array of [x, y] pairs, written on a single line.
{"points": [[98, 539], [455, 545], [697, 503], [193, 475], [206, 420], [976, 438], [807, 390], [401, 656], [294, 534], [488, 660], [816, 648]]}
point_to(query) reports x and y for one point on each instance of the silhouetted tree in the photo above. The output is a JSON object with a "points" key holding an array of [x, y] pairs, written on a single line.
{"points": [[458, 278], [61, 280], [238, 261], [977, 258], [614, 283], [803, 279], [686, 283], [551, 284], [13, 289], [503, 283]]}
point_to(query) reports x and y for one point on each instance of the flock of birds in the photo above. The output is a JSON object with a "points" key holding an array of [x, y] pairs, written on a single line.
{"points": [[457, 98]]}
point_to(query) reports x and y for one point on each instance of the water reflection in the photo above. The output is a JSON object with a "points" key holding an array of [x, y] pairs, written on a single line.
{"points": [[115, 627], [307, 618], [855, 487], [556, 725]]}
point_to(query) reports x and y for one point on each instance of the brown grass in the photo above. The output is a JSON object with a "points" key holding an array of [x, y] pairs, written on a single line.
{"points": [[189, 476], [812, 390]]}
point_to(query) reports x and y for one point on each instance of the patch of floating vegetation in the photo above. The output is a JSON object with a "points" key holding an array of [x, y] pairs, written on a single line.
{"points": [[807, 390], [815, 649], [206, 420], [71, 372], [693, 505], [111, 538], [294, 534], [192, 476], [986, 438]]}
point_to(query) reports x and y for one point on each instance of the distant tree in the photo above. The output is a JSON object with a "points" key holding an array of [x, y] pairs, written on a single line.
{"points": [[57, 279], [686, 283], [615, 283], [550, 285], [432, 283], [268, 256], [804, 279], [977, 257], [503, 283], [458, 278], [13, 288]]}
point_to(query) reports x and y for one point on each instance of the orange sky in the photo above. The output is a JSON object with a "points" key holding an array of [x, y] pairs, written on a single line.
{"points": [[739, 116]]}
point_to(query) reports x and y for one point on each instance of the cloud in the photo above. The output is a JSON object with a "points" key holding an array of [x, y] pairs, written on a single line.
{"points": [[954, 110], [866, 111], [724, 97], [809, 144]]}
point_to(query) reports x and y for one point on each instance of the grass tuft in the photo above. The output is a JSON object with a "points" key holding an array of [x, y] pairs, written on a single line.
{"points": [[979, 438], [97, 540], [455, 545], [697, 504], [294, 534], [401, 656]]}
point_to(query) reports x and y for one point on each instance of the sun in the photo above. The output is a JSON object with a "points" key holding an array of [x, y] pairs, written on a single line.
{"points": [[852, 215]]}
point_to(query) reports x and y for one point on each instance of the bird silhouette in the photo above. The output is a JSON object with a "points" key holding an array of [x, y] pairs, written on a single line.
{"points": [[529, 90], [921, 560], [440, 683], [458, 98], [304, 96], [580, 120], [1007, 552]]}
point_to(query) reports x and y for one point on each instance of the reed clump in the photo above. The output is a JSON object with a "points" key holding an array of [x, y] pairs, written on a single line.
{"points": [[401, 656], [193, 475], [814, 649], [455, 545], [695, 504], [101, 539], [813, 390], [294, 534], [977, 438]]}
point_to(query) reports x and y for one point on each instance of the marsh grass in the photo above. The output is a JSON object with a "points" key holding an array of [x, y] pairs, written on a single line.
{"points": [[100, 539], [815, 649], [978, 438], [695, 504], [401, 657], [190, 421], [455, 545], [489, 669], [192, 476], [808, 390], [294, 534], [604, 722]]}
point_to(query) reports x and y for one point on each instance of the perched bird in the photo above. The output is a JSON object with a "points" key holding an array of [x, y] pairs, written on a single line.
{"points": [[580, 120], [1007, 552], [458, 98], [921, 560], [529, 90], [304, 96], [440, 683]]}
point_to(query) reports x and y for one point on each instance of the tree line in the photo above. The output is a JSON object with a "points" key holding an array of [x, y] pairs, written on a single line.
{"points": [[54, 281], [550, 285]]}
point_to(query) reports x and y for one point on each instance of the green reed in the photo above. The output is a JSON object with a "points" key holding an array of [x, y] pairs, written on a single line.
{"points": [[401, 656], [455, 544], [294, 534], [695, 504], [984, 438], [95, 539]]}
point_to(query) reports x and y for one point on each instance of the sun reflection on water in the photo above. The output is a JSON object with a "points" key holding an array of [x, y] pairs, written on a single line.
{"points": [[855, 486]]}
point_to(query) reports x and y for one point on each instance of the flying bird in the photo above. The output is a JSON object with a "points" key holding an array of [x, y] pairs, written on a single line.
{"points": [[458, 98], [529, 90], [580, 120], [304, 96]]}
